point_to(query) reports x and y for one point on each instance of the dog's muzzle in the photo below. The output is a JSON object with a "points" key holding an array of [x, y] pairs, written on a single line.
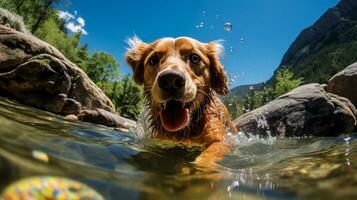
{"points": [[172, 83]]}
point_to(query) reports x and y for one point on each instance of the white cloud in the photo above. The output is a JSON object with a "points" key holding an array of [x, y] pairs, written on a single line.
{"points": [[65, 15], [76, 28], [73, 23], [81, 21]]}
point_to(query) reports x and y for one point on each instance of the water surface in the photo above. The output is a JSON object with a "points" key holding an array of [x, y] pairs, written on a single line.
{"points": [[121, 166]]}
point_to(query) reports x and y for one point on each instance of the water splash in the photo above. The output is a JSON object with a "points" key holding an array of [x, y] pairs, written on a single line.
{"points": [[232, 78], [200, 25], [247, 138], [142, 124], [347, 140], [231, 49], [227, 27], [241, 139]]}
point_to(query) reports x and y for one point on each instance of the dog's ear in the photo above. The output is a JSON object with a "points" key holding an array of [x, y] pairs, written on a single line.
{"points": [[135, 56], [218, 77]]}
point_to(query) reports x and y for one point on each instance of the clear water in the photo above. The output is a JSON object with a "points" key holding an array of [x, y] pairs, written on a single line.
{"points": [[120, 166]]}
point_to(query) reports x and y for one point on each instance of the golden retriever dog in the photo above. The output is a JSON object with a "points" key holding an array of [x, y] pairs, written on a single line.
{"points": [[181, 79]]}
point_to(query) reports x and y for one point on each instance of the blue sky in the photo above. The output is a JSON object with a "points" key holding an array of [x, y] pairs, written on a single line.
{"points": [[268, 27]]}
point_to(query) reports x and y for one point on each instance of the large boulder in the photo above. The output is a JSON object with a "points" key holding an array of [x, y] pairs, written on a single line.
{"points": [[37, 74], [306, 110], [344, 83]]}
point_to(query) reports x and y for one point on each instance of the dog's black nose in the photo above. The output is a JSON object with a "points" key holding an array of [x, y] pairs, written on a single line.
{"points": [[172, 81]]}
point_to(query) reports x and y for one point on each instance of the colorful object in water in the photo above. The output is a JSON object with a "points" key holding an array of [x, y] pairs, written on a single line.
{"points": [[49, 187]]}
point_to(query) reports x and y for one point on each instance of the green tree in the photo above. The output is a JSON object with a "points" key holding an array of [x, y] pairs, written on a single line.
{"points": [[103, 69], [127, 97], [66, 44], [34, 12], [284, 82]]}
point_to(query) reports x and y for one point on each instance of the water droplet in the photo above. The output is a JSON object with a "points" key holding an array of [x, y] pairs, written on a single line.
{"points": [[203, 13], [200, 25], [231, 49], [241, 40], [227, 27]]}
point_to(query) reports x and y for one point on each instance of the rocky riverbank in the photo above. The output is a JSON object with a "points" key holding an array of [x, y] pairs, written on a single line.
{"points": [[37, 74]]}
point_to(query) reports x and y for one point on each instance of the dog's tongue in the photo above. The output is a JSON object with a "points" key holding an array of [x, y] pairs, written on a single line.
{"points": [[174, 117]]}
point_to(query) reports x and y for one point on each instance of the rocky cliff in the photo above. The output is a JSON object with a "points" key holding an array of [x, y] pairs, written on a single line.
{"points": [[327, 46]]}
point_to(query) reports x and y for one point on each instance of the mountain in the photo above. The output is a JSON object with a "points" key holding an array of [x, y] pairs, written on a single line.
{"points": [[326, 47], [241, 90], [322, 49]]}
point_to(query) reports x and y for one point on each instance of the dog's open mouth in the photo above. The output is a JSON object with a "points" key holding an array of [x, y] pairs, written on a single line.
{"points": [[174, 115]]}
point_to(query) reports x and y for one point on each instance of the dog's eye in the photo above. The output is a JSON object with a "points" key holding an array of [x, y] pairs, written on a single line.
{"points": [[154, 60], [194, 58]]}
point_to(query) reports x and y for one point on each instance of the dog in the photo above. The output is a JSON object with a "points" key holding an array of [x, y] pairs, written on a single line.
{"points": [[182, 79]]}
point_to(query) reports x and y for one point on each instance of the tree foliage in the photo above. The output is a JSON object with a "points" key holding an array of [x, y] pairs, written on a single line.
{"points": [[126, 94], [284, 82]]}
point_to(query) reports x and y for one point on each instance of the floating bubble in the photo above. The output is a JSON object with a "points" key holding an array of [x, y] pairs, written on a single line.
{"points": [[227, 27], [203, 13], [231, 49], [200, 25], [241, 40]]}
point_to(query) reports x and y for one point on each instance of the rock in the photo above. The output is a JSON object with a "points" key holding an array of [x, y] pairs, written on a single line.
{"points": [[37, 74], [71, 117], [100, 116], [306, 110], [344, 83]]}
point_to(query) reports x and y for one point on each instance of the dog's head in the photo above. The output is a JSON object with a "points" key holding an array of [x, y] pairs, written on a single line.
{"points": [[178, 76]]}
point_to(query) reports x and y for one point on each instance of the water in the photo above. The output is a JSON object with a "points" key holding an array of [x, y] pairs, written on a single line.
{"points": [[200, 25], [227, 27], [121, 166]]}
